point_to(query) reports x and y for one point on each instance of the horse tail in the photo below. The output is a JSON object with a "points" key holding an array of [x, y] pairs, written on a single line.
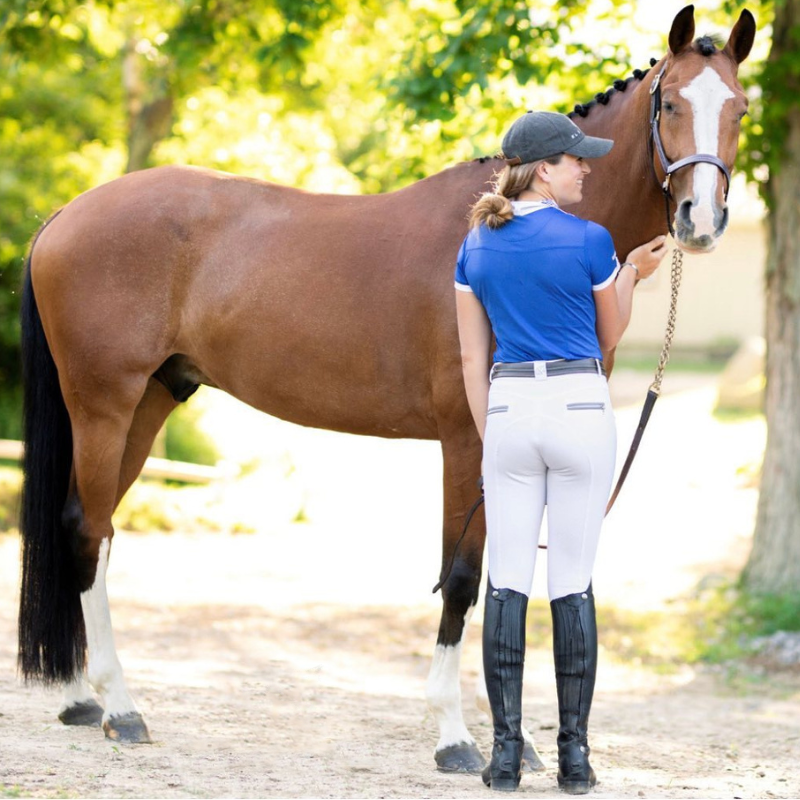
{"points": [[52, 635]]}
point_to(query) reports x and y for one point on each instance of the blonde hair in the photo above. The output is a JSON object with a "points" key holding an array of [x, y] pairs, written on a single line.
{"points": [[494, 208]]}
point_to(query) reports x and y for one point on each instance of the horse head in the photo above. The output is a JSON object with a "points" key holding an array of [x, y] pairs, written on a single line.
{"points": [[697, 105]]}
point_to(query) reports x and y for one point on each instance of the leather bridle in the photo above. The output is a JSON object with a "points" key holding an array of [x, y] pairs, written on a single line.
{"points": [[670, 167]]}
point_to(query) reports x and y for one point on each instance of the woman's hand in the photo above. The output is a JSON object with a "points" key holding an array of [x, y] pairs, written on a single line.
{"points": [[647, 257]]}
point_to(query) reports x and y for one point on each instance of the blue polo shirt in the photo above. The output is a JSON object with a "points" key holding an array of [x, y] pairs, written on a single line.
{"points": [[535, 276]]}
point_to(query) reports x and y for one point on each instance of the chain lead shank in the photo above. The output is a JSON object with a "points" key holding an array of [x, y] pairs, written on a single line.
{"points": [[676, 273]]}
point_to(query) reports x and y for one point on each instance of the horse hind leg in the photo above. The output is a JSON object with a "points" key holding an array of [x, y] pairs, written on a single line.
{"points": [[122, 721], [110, 446]]}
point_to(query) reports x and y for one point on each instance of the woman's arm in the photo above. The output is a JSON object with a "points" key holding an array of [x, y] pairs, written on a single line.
{"points": [[615, 302], [475, 335]]}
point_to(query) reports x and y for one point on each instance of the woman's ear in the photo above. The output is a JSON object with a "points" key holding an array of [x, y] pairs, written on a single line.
{"points": [[543, 172]]}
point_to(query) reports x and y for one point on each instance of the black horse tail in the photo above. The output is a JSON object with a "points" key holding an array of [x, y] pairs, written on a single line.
{"points": [[52, 635]]}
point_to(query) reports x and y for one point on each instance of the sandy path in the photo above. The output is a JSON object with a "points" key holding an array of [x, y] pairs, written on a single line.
{"points": [[292, 663]]}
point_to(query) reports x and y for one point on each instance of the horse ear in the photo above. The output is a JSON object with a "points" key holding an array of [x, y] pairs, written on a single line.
{"points": [[742, 36], [682, 33]]}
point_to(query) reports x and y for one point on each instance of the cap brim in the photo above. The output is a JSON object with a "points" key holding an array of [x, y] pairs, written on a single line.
{"points": [[591, 147]]}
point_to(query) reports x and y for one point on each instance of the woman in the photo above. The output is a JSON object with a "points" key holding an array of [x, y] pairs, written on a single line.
{"points": [[550, 289]]}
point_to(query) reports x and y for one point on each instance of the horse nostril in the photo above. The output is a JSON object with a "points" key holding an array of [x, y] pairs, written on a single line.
{"points": [[684, 214], [722, 221]]}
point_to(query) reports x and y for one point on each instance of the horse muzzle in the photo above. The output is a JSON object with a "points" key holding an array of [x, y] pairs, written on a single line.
{"points": [[698, 227]]}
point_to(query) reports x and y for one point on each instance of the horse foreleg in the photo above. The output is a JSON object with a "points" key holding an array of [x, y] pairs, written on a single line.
{"points": [[456, 750]]}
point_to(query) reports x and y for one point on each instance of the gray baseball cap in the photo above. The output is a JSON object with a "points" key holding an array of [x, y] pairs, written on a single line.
{"points": [[542, 134]]}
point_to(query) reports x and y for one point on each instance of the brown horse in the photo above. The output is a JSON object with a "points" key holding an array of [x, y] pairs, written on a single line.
{"points": [[328, 311]]}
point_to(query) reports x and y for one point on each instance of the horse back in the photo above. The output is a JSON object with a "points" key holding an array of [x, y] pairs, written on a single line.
{"points": [[327, 310]]}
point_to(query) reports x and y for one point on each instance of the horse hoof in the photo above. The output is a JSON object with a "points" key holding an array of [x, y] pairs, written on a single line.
{"points": [[88, 713], [531, 762], [460, 758], [127, 729]]}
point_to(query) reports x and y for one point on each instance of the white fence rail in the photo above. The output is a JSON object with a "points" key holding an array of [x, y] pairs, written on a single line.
{"points": [[161, 468]]}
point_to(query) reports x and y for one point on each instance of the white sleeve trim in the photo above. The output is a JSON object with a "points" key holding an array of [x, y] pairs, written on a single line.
{"points": [[462, 287], [611, 278]]}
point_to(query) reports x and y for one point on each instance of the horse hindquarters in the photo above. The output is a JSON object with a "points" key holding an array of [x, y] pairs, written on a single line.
{"points": [[52, 637], [71, 492]]}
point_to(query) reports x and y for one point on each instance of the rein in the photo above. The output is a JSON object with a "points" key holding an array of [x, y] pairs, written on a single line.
{"points": [[670, 167], [653, 394]]}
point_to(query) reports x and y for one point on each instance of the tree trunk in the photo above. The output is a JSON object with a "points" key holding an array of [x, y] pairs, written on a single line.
{"points": [[774, 564], [148, 122]]}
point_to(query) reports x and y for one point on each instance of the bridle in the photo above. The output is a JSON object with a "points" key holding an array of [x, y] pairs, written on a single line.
{"points": [[670, 167]]}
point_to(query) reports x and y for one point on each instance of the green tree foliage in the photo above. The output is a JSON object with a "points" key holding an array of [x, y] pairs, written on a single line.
{"points": [[470, 53]]}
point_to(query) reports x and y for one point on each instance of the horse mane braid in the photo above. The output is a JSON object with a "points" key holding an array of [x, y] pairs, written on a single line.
{"points": [[583, 109], [705, 45]]}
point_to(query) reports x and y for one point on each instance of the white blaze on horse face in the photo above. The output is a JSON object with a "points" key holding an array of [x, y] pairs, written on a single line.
{"points": [[444, 693], [707, 94], [104, 671]]}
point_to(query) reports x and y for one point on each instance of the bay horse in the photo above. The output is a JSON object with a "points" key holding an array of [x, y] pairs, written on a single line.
{"points": [[327, 311]]}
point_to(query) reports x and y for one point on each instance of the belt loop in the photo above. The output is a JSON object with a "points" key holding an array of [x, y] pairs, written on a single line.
{"points": [[491, 372], [540, 370], [599, 365]]}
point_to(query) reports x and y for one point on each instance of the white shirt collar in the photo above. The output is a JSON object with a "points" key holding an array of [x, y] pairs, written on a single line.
{"points": [[523, 207]]}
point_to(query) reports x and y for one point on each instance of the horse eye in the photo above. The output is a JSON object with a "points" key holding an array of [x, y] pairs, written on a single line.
{"points": [[669, 107], [741, 116]]}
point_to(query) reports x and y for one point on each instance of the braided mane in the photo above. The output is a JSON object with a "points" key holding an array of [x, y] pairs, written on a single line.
{"points": [[705, 46]]}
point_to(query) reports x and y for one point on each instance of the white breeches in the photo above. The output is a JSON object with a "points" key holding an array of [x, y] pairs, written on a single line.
{"points": [[549, 442]]}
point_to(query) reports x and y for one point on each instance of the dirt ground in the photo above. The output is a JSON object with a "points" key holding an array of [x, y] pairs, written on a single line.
{"points": [[292, 662]]}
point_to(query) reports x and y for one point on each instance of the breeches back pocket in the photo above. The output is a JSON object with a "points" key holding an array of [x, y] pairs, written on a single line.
{"points": [[586, 406]]}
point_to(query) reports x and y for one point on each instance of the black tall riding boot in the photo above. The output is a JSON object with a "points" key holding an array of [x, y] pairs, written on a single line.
{"points": [[503, 660], [575, 654]]}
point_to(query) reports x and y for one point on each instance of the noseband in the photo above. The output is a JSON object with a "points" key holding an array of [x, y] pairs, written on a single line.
{"points": [[669, 167]]}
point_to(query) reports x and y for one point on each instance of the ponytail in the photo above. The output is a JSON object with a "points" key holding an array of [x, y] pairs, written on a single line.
{"points": [[494, 209]]}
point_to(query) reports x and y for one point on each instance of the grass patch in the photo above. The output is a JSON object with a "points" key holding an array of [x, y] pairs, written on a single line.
{"points": [[728, 619]]}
